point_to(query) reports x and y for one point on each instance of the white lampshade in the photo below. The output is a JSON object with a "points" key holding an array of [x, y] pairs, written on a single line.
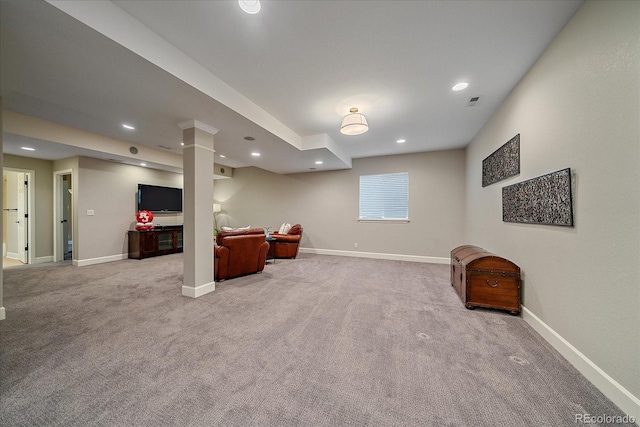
{"points": [[250, 6], [217, 207], [354, 123]]}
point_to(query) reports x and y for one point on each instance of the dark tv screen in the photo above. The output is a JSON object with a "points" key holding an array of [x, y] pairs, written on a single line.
{"points": [[155, 198]]}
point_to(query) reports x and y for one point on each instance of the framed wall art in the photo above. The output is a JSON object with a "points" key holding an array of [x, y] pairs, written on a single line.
{"points": [[502, 163], [542, 200]]}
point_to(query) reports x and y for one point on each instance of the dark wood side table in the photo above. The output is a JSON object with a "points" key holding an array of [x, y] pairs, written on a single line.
{"points": [[271, 253]]}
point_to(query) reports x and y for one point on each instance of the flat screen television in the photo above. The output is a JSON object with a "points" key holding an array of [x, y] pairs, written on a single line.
{"points": [[155, 198]]}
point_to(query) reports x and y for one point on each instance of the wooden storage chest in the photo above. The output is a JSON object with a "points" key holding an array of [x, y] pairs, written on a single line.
{"points": [[483, 279]]}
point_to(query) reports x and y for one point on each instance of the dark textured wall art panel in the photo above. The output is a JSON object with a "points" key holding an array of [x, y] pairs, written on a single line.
{"points": [[542, 200], [502, 163]]}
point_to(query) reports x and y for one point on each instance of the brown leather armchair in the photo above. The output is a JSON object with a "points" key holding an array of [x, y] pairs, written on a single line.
{"points": [[238, 253], [285, 245]]}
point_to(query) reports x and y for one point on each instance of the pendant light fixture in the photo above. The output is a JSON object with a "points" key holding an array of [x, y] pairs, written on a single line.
{"points": [[250, 6], [354, 123]]}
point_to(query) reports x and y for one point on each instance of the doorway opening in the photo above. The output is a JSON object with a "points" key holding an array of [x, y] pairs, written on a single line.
{"points": [[17, 200], [63, 215]]}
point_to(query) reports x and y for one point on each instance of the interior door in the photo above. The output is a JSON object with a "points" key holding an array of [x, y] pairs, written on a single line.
{"points": [[22, 219], [66, 208]]}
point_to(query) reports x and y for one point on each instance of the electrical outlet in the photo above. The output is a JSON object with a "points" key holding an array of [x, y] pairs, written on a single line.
{"points": [[90, 212], [355, 246]]}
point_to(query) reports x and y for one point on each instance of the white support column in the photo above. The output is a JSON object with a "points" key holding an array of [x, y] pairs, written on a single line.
{"points": [[197, 158]]}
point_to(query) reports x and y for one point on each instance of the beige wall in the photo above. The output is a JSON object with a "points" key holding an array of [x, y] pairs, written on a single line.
{"points": [[106, 187], [110, 189], [578, 107], [42, 210], [326, 204]]}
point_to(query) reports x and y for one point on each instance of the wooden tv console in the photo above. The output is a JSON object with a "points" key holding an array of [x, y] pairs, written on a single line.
{"points": [[162, 240]]}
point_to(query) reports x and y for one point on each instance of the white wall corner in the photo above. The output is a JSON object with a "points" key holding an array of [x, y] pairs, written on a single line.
{"points": [[324, 141], [613, 390], [198, 291]]}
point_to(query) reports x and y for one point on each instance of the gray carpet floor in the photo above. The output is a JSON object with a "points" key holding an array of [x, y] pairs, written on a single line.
{"points": [[316, 341]]}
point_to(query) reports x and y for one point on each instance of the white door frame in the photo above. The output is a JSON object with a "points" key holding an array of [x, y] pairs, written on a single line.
{"points": [[23, 217], [30, 209], [58, 252]]}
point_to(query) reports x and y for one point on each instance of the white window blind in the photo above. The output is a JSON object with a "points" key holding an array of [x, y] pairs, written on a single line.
{"points": [[384, 197]]}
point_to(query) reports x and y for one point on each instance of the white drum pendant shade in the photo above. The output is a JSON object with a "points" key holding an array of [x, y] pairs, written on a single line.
{"points": [[354, 123]]}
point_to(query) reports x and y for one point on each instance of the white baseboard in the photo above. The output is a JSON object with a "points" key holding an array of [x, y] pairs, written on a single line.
{"points": [[12, 255], [613, 390], [100, 260], [43, 259], [377, 255], [190, 291], [3, 313]]}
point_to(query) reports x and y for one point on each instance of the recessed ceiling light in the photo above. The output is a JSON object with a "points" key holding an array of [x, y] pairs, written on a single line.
{"points": [[126, 126], [460, 86], [143, 164], [223, 156], [255, 154], [401, 141], [319, 162], [182, 143], [250, 6], [28, 148]]}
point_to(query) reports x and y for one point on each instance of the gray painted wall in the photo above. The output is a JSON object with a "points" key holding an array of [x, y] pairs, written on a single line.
{"points": [[110, 189], [107, 188], [326, 204], [578, 107]]}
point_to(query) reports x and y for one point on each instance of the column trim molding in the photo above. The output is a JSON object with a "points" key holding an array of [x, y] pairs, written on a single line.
{"points": [[188, 124], [202, 147], [198, 291]]}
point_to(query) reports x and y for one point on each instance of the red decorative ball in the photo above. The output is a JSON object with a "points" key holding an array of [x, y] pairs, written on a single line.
{"points": [[144, 216], [144, 219]]}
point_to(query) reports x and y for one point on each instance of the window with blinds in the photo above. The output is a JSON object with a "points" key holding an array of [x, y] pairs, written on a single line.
{"points": [[384, 197]]}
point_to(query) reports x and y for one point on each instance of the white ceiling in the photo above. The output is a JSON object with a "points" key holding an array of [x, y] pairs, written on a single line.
{"points": [[284, 76]]}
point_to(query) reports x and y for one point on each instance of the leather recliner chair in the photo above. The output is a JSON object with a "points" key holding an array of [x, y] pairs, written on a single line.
{"points": [[286, 245], [238, 253]]}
